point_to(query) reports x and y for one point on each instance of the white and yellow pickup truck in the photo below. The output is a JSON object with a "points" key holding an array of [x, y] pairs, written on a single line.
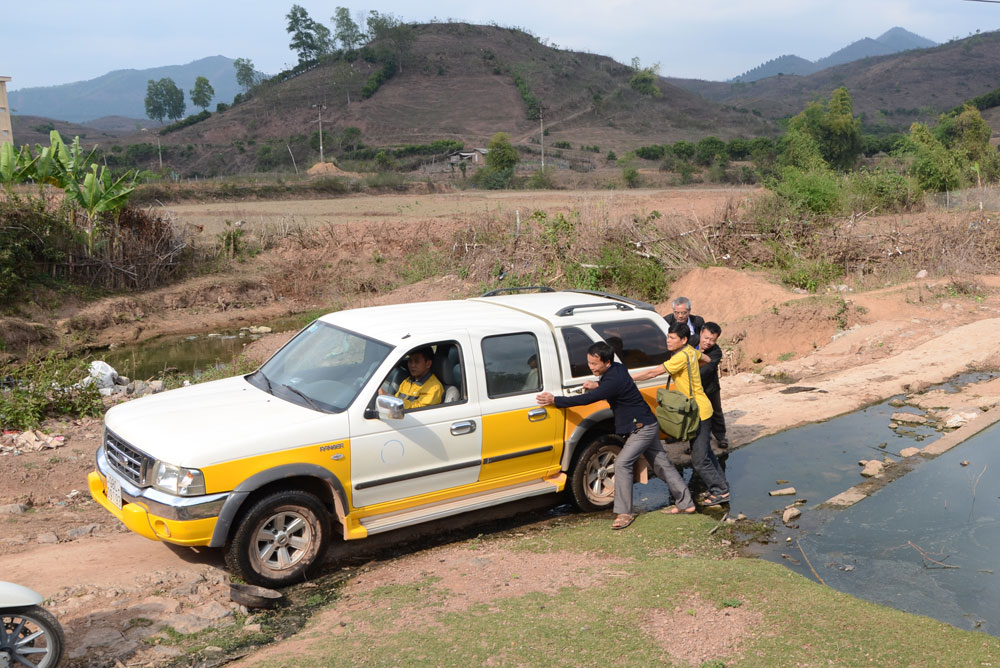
{"points": [[279, 465]]}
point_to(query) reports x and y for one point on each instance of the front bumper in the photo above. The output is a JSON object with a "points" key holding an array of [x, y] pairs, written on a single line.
{"points": [[155, 514]]}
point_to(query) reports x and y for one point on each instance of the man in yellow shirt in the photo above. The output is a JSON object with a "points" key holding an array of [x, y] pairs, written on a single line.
{"points": [[421, 388]]}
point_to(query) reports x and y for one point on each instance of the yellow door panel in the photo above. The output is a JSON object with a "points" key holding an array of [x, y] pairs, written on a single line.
{"points": [[521, 440]]}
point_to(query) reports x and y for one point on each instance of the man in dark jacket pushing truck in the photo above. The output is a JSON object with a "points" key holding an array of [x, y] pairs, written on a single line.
{"points": [[634, 421]]}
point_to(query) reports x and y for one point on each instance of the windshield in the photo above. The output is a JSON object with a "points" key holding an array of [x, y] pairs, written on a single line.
{"points": [[324, 367]]}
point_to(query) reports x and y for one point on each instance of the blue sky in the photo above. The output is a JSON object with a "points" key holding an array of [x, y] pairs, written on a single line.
{"points": [[49, 42]]}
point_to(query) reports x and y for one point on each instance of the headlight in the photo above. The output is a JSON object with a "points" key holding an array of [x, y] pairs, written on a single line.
{"points": [[178, 480]]}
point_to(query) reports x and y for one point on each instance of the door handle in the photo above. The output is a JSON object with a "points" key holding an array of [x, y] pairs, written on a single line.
{"points": [[537, 414], [463, 427]]}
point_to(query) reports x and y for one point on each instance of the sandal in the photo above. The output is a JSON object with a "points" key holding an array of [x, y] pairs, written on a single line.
{"points": [[674, 510], [623, 520], [716, 499]]}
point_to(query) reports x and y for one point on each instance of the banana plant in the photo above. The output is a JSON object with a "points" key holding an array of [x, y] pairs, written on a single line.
{"points": [[97, 193], [15, 166], [71, 162]]}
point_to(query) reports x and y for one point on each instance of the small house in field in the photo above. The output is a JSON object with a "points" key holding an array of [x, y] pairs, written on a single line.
{"points": [[6, 131], [476, 156]]}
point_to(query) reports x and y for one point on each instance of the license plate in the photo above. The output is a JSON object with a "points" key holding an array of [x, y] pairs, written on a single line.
{"points": [[115, 492]]}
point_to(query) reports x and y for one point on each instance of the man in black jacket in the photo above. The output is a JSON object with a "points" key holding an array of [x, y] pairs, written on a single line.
{"points": [[682, 314], [635, 421], [710, 379]]}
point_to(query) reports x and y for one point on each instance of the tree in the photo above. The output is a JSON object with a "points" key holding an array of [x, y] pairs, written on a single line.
{"points": [[834, 129], [246, 75], [350, 136], [310, 39], [164, 99], [155, 108], [502, 154], [202, 93], [346, 31], [710, 149], [393, 35]]}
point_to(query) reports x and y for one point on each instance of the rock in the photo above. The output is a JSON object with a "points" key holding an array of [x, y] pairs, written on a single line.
{"points": [[153, 605], [251, 628], [787, 491], [47, 538], [909, 452], [897, 403], [79, 532], [873, 469], [922, 273], [964, 462], [212, 610], [156, 386], [956, 420], [13, 509], [790, 514], [910, 418]]}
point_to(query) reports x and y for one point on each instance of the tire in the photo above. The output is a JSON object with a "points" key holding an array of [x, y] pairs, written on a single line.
{"points": [[280, 540], [592, 478], [18, 625]]}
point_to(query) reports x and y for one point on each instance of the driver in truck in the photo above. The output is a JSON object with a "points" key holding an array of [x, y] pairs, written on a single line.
{"points": [[422, 387]]}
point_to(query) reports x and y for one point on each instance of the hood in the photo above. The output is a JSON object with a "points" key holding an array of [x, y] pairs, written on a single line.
{"points": [[219, 421]]}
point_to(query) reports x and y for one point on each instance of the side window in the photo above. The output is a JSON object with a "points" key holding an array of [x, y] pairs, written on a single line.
{"points": [[577, 343], [440, 367], [511, 364], [637, 343]]}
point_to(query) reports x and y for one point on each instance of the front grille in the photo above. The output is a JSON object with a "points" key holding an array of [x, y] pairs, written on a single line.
{"points": [[126, 460]]}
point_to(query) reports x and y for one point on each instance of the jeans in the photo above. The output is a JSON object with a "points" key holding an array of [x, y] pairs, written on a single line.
{"points": [[718, 419], [646, 441], [705, 463]]}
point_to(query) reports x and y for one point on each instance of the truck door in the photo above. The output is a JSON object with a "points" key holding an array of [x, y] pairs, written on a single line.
{"points": [[431, 449], [521, 440]]}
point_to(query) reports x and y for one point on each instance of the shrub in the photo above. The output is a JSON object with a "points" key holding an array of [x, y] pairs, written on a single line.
{"points": [[631, 176], [562, 144], [653, 152], [186, 122], [815, 190], [378, 77], [881, 189], [644, 83], [540, 179], [46, 387], [709, 150]]}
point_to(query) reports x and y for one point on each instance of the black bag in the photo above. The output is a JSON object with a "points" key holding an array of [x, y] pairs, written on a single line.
{"points": [[677, 413]]}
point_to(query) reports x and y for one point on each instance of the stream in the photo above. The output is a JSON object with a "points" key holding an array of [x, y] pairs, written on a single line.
{"points": [[925, 543]]}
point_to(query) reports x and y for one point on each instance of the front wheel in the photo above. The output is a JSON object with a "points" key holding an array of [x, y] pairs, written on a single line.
{"points": [[592, 480], [280, 540], [30, 636]]}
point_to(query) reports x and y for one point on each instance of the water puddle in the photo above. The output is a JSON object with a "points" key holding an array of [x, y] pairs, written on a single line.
{"points": [[898, 547], [179, 354]]}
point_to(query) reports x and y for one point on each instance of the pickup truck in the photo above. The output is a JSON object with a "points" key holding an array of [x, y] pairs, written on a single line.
{"points": [[280, 465]]}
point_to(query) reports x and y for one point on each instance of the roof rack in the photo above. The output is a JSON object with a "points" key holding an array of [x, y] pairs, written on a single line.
{"points": [[527, 288], [645, 306], [570, 310]]}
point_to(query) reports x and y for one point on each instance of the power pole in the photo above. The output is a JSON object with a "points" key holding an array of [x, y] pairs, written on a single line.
{"points": [[320, 108]]}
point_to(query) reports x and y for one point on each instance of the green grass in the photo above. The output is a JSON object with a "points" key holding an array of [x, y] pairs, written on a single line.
{"points": [[664, 560]]}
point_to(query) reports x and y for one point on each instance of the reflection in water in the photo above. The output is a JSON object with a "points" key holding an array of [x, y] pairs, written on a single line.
{"points": [[185, 354]]}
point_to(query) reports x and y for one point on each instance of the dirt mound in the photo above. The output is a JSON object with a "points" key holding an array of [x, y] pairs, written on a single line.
{"points": [[328, 169], [726, 295]]}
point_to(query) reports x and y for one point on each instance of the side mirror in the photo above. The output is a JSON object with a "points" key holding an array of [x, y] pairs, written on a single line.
{"points": [[389, 407]]}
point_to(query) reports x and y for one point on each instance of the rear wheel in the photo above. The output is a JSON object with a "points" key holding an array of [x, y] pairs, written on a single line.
{"points": [[592, 480], [280, 540], [30, 636]]}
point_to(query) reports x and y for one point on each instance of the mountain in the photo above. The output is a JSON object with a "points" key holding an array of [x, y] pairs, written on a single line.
{"points": [[894, 40], [463, 82], [122, 92], [890, 92]]}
